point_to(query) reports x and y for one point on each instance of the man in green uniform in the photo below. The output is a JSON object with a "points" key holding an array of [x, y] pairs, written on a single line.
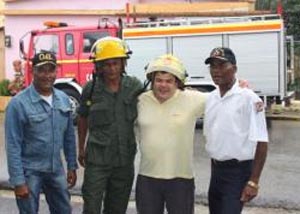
{"points": [[107, 144]]}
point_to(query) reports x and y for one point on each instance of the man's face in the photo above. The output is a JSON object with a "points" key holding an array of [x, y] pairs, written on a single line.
{"points": [[17, 66], [44, 77], [112, 68], [164, 86], [222, 72]]}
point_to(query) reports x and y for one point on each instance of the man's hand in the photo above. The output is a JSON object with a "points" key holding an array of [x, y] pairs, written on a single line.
{"points": [[244, 84], [71, 178], [259, 106], [249, 193], [22, 191], [81, 157]]}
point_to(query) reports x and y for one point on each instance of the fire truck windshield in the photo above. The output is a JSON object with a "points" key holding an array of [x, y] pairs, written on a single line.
{"points": [[46, 42]]}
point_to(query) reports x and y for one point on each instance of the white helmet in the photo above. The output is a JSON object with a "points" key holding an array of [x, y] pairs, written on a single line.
{"points": [[167, 63]]}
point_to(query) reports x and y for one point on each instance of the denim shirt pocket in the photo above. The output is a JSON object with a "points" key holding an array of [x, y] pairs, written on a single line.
{"points": [[63, 114], [131, 108], [39, 123], [100, 115]]}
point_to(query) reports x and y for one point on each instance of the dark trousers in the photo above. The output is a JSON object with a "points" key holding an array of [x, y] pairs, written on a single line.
{"points": [[110, 186], [227, 182], [153, 194]]}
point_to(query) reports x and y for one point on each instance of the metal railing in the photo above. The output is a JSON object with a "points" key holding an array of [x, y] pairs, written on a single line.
{"points": [[186, 21]]}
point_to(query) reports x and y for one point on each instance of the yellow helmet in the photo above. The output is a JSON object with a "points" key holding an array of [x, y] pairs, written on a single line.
{"points": [[167, 63], [109, 48]]}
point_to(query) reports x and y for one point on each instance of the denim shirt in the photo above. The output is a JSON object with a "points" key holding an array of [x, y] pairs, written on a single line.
{"points": [[36, 134]]}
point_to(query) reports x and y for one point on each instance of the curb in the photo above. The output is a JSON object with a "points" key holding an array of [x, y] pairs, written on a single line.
{"points": [[4, 185], [292, 117], [201, 199]]}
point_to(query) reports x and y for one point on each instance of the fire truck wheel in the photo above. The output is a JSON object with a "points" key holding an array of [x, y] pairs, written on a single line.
{"points": [[74, 99]]}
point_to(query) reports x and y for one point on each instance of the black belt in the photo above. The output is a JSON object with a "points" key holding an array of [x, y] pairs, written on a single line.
{"points": [[231, 162]]}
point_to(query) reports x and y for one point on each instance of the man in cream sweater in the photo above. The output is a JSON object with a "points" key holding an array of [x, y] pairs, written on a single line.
{"points": [[165, 129]]}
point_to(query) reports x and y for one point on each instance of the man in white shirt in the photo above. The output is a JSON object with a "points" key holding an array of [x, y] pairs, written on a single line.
{"points": [[236, 137], [165, 130]]}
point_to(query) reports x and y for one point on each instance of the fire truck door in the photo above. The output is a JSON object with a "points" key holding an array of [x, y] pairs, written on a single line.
{"points": [[69, 58]]}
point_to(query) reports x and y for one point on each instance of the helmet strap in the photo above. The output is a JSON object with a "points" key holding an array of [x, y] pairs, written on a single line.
{"points": [[94, 78], [146, 83]]}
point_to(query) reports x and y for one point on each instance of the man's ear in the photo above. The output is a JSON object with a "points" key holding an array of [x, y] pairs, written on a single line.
{"points": [[235, 68]]}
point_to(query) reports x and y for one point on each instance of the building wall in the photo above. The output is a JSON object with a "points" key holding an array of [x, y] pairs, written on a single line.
{"points": [[159, 1], [67, 4], [190, 1], [18, 22], [2, 48], [2, 57]]}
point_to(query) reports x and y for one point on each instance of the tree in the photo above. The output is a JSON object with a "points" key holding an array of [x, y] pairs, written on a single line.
{"points": [[292, 17], [291, 14]]}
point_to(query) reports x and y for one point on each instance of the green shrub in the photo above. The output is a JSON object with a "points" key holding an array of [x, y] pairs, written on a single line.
{"points": [[3, 88]]}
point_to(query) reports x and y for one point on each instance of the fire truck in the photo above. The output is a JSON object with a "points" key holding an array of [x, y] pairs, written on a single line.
{"points": [[258, 42]]}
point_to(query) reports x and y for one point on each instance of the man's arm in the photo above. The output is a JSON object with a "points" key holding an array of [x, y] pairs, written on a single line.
{"points": [[259, 161], [251, 189], [70, 152], [82, 122], [257, 133], [82, 133], [13, 139]]}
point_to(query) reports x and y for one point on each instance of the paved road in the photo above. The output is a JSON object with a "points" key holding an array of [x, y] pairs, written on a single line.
{"points": [[7, 206], [280, 179]]}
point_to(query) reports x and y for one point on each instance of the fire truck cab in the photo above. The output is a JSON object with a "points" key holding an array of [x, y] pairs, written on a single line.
{"points": [[71, 46]]}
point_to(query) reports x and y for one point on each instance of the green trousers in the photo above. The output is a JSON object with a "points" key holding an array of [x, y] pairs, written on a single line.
{"points": [[110, 186]]}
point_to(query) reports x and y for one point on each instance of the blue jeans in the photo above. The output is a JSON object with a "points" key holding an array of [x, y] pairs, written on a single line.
{"points": [[55, 187]]}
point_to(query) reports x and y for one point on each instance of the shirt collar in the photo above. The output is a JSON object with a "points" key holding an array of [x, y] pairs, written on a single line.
{"points": [[36, 97], [235, 89]]}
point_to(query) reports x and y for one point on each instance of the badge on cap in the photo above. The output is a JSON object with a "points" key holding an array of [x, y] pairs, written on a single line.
{"points": [[44, 58], [217, 52]]}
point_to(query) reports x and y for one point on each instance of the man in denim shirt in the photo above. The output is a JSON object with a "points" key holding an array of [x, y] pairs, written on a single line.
{"points": [[38, 126]]}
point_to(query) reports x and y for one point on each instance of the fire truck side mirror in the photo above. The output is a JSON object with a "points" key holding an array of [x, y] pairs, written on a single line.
{"points": [[22, 53]]}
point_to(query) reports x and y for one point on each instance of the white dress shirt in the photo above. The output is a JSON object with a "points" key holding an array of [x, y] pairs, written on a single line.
{"points": [[232, 125]]}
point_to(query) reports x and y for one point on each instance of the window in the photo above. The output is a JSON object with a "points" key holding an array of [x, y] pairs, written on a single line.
{"points": [[46, 43], [69, 41], [90, 38]]}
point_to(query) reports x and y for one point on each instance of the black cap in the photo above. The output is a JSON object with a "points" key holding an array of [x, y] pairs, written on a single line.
{"points": [[42, 58], [225, 54]]}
